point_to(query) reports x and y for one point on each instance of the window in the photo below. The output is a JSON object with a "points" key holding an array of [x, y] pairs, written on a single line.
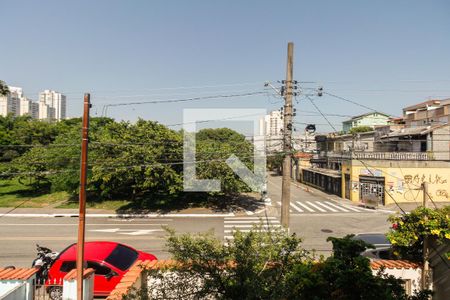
{"points": [[99, 269], [122, 257], [67, 266]]}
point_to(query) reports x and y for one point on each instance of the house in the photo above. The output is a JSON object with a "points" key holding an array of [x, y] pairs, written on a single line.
{"points": [[430, 112], [371, 119]]}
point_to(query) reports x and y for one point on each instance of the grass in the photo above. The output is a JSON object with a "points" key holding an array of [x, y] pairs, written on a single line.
{"points": [[14, 194], [109, 205]]}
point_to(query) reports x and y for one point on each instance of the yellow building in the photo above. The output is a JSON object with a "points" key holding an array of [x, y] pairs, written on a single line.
{"points": [[385, 180]]}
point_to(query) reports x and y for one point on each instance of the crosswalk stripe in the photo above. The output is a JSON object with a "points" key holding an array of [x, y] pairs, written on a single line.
{"points": [[338, 207], [296, 207], [352, 208], [305, 206], [326, 206], [250, 225], [255, 222], [279, 203], [315, 206], [248, 218]]}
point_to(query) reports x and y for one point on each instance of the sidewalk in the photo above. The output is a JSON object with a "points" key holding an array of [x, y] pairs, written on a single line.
{"points": [[394, 208]]}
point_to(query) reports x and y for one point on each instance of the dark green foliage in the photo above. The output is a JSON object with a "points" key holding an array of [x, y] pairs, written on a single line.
{"points": [[140, 161], [3, 88], [268, 265], [360, 129]]}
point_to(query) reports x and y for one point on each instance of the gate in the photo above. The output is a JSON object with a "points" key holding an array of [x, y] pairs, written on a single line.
{"points": [[48, 291], [371, 192]]}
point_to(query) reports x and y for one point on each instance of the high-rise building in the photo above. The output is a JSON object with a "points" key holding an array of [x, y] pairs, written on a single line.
{"points": [[46, 112], [54, 100], [28, 107], [272, 129], [10, 104]]}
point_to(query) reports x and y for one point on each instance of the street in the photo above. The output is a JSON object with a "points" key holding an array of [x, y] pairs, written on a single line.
{"points": [[313, 218]]}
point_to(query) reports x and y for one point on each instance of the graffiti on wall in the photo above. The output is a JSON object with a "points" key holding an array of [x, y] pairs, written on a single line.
{"points": [[442, 193], [419, 179]]}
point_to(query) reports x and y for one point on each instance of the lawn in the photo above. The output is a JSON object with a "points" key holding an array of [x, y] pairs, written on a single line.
{"points": [[14, 194]]}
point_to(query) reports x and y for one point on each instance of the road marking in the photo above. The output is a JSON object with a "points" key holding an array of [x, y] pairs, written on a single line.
{"points": [[87, 225], [127, 231], [296, 207], [315, 206], [305, 206], [279, 203], [338, 207], [326, 206], [249, 225], [136, 216]]}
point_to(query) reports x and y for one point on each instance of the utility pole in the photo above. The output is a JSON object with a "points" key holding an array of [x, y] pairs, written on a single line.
{"points": [[426, 254], [287, 138], [82, 203]]}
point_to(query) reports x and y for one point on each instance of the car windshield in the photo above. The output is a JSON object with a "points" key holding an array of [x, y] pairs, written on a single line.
{"points": [[374, 239], [122, 257]]}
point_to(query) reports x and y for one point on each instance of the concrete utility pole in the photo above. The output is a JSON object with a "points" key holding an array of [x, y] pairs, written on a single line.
{"points": [[287, 139], [426, 254], [82, 203]]}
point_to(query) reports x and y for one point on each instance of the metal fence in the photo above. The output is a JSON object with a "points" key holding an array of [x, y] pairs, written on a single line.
{"points": [[50, 290]]}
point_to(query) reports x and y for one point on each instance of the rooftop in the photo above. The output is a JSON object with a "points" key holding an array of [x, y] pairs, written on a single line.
{"points": [[17, 274], [393, 264]]}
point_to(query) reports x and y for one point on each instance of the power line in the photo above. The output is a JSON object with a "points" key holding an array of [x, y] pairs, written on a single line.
{"points": [[318, 109], [200, 98]]}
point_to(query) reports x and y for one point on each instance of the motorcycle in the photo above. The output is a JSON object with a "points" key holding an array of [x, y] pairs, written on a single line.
{"points": [[43, 262]]}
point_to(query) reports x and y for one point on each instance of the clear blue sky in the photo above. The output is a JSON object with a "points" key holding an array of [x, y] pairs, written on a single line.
{"points": [[383, 54]]}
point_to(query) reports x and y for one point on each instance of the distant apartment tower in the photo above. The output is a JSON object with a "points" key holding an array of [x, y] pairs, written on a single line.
{"points": [[28, 107], [46, 112], [271, 127], [10, 104], [53, 105]]}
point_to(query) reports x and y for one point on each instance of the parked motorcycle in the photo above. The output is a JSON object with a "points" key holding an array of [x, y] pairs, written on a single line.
{"points": [[43, 262]]}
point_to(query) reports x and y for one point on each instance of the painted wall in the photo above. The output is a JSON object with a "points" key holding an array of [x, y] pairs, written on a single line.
{"points": [[369, 120], [401, 182]]}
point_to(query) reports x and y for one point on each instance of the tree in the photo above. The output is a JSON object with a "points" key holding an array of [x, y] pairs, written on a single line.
{"points": [[214, 147], [4, 90], [409, 231], [267, 264], [360, 129]]}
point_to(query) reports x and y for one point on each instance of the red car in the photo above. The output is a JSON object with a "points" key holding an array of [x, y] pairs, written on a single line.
{"points": [[110, 260]]}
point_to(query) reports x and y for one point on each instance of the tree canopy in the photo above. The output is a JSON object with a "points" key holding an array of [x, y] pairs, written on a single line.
{"points": [[267, 264], [125, 159]]}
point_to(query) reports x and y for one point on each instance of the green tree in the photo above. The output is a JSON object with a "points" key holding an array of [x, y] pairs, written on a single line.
{"points": [[359, 129], [214, 147], [267, 264], [4, 91], [409, 231]]}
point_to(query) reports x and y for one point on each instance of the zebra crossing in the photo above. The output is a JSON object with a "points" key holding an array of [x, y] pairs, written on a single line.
{"points": [[245, 224], [323, 207]]}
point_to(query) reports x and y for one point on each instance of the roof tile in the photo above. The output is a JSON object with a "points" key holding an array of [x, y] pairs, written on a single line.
{"points": [[17, 274]]}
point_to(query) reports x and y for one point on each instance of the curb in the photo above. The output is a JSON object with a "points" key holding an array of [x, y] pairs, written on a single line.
{"points": [[143, 216]]}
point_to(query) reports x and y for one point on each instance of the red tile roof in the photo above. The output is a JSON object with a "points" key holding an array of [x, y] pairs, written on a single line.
{"points": [[72, 275], [17, 274], [393, 264]]}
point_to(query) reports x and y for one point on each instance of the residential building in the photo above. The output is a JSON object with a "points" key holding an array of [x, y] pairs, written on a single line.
{"points": [[46, 112], [272, 128], [371, 119], [427, 113], [10, 104], [28, 107], [54, 100]]}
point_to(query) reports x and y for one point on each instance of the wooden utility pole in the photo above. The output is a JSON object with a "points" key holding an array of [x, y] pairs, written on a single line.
{"points": [[82, 204], [426, 254], [287, 138]]}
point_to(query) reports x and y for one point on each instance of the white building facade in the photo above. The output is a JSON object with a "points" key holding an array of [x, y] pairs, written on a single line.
{"points": [[271, 127], [56, 103], [10, 104]]}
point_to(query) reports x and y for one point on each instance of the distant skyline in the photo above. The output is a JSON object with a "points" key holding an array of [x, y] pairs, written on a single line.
{"points": [[385, 55]]}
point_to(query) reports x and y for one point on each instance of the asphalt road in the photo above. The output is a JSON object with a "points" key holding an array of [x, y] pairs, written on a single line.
{"points": [[19, 235], [314, 217]]}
